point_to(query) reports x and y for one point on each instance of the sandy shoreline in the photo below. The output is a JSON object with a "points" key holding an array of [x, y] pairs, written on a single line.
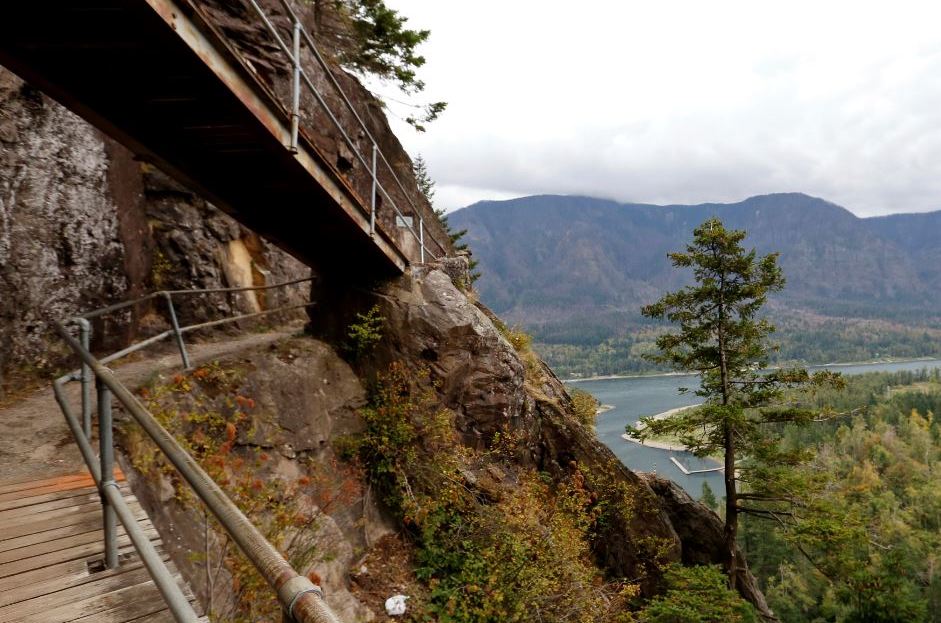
{"points": [[669, 412], [659, 445], [610, 377]]}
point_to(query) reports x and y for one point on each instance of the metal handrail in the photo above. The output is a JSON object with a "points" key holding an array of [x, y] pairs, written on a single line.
{"points": [[301, 600], [299, 74]]}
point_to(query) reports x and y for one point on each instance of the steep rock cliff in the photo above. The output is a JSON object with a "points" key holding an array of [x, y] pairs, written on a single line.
{"points": [[82, 225]]}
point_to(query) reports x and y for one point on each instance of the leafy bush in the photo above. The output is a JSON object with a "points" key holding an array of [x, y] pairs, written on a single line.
{"points": [[522, 343], [365, 333], [697, 595], [585, 405], [518, 339]]}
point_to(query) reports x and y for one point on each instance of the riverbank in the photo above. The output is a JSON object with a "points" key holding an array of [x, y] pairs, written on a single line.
{"points": [[611, 377], [659, 445], [669, 412], [815, 366]]}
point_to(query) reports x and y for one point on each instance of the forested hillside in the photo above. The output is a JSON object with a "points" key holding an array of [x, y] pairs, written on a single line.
{"points": [[865, 545], [575, 271]]}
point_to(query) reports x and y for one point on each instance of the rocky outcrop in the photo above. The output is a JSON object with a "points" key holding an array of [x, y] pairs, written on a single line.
{"points": [[701, 536], [83, 224], [482, 379], [60, 237], [303, 398]]}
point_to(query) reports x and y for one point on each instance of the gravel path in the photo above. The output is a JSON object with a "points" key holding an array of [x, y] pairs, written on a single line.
{"points": [[34, 439]]}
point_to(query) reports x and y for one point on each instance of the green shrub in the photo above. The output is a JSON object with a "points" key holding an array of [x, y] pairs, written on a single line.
{"points": [[365, 333], [697, 595], [585, 405], [522, 343]]}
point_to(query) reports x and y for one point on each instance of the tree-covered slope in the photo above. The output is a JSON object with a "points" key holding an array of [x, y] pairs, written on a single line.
{"points": [[575, 270]]}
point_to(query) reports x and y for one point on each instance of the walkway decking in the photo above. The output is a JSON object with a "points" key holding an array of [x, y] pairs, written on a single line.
{"points": [[51, 554]]}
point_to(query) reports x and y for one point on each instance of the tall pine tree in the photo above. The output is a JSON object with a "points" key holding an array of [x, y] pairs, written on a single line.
{"points": [[721, 336]]}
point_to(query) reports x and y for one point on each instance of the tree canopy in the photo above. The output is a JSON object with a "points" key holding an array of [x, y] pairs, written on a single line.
{"points": [[372, 39], [868, 548]]}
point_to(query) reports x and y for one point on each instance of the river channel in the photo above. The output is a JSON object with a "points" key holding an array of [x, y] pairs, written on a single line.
{"points": [[635, 397]]}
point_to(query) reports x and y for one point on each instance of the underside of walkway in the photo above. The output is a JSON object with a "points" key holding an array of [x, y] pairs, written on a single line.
{"points": [[160, 78]]}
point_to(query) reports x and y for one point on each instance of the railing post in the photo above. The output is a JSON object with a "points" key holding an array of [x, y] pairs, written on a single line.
{"points": [[375, 183], [84, 329], [176, 331], [421, 237], [106, 456], [296, 86]]}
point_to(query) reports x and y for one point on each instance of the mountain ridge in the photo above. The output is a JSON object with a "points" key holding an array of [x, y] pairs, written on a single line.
{"points": [[576, 270]]}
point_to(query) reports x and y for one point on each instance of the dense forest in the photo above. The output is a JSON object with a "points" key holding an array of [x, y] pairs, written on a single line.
{"points": [[865, 545]]}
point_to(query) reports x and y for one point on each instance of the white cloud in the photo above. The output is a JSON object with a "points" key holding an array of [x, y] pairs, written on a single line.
{"points": [[684, 101]]}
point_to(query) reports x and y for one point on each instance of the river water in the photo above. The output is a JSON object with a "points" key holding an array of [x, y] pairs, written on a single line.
{"points": [[633, 398]]}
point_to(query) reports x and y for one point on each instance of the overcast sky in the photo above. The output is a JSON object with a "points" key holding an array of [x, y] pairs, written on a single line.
{"points": [[683, 101]]}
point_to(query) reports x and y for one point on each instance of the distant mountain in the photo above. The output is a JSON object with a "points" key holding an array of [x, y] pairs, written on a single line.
{"points": [[577, 269]]}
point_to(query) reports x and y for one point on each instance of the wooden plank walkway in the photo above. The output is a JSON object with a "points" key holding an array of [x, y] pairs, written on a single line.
{"points": [[51, 553]]}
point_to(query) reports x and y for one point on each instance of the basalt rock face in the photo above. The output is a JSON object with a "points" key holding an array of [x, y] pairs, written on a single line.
{"points": [[60, 243], [701, 536], [492, 389], [82, 225], [303, 398], [483, 380]]}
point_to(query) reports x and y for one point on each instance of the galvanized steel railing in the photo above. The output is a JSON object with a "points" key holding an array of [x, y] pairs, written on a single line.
{"points": [[300, 36], [301, 600]]}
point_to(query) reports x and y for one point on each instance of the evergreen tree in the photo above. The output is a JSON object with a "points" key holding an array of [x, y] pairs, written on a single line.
{"points": [[721, 338], [708, 497], [369, 38], [697, 595], [427, 187], [425, 184]]}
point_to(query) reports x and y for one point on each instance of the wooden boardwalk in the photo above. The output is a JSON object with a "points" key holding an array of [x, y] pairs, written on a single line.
{"points": [[51, 557]]}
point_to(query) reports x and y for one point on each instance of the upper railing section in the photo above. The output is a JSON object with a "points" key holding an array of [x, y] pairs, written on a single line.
{"points": [[234, 100], [301, 600], [408, 215]]}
